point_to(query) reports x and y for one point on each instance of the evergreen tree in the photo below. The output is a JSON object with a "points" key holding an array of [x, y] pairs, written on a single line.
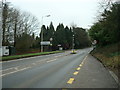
{"points": [[68, 36], [107, 29], [59, 37], [81, 38], [44, 32], [51, 31]]}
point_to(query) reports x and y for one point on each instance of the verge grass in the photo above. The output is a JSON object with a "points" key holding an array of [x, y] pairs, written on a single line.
{"points": [[28, 55], [109, 56]]}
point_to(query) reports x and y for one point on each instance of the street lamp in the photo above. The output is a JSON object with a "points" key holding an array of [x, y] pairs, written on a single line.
{"points": [[51, 39], [73, 41], [73, 44], [42, 32]]}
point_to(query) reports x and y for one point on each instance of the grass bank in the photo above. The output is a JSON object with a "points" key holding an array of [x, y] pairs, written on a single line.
{"points": [[5, 58], [109, 56]]}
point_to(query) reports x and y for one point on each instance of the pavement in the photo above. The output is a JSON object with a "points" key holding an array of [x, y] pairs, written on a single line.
{"points": [[93, 74], [61, 70]]}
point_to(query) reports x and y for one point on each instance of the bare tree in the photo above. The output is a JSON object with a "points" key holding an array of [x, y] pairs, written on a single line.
{"points": [[30, 23], [1, 26], [4, 20], [103, 5], [106, 4], [18, 25]]}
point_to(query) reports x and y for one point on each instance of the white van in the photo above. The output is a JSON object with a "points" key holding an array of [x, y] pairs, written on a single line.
{"points": [[5, 50]]}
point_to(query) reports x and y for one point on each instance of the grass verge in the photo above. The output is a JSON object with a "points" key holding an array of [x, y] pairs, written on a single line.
{"points": [[109, 56], [5, 58]]}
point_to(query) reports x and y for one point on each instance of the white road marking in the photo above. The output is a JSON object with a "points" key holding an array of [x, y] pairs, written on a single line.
{"points": [[33, 63], [51, 60], [14, 71], [17, 68], [6, 69], [85, 57]]}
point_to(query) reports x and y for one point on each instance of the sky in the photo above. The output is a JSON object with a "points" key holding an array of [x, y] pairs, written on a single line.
{"points": [[80, 12]]}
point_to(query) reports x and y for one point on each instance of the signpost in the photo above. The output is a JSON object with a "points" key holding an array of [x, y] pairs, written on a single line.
{"points": [[45, 43], [94, 44]]}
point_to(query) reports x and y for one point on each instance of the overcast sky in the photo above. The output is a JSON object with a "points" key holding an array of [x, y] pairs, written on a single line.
{"points": [[81, 12]]}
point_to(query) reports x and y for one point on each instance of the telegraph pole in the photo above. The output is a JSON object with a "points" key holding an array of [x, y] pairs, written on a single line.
{"points": [[1, 31], [42, 32]]}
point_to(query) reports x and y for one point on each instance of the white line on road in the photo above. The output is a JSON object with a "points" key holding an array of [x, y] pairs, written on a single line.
{"points": [[51, 60], [14, 71], [33, 63], [7, 69], [17, 70]]}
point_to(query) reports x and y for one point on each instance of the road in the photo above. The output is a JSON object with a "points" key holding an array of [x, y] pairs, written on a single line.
{"points": [[61, 70]]}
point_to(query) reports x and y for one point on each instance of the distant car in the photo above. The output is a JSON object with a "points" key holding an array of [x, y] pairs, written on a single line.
{"points": [[73, 52]]}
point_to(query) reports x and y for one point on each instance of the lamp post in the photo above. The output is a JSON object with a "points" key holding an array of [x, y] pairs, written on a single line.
{"points": [[51, 39], [73, 44], [42, 32], [73, 41]]}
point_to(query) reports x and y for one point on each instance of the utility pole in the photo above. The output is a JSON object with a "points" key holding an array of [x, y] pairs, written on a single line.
{"points": [[1, 30], [1, 10], [42, 32], [73, 44]]}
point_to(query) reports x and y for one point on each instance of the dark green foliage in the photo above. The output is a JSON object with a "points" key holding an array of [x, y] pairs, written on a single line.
{"points": [[18, 28], [24, 42], [51, 31], [68, 34], [63, 36], [59, 37], [47, 32], [107, 29], [81, 38]]}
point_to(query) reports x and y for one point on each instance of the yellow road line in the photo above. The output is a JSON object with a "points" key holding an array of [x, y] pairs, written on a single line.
{"points": [[75, 73], [78, 68], [64, 89], [70, 81], [80, 65]]}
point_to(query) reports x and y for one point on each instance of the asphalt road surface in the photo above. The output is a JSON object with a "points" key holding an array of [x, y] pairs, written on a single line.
{"points": [[61, 70]]}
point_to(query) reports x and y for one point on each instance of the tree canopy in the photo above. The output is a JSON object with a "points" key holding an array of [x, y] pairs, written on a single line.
{"points": [[107, 29], [63, 36]]}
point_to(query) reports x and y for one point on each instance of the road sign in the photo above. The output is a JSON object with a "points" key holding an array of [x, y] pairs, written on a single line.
{"points": [[45, 43], [59, 45], [94, 42]]}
